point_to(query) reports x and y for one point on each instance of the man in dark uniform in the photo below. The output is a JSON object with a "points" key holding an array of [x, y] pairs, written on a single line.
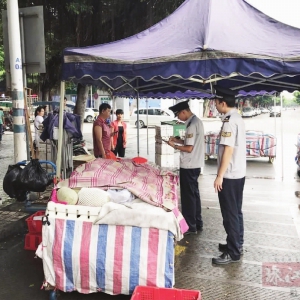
{"points": [[191, 161], [230, 179]]}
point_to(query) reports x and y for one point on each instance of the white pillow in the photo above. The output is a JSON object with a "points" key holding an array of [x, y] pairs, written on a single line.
{"points": [[93, 197], [66, 194]]}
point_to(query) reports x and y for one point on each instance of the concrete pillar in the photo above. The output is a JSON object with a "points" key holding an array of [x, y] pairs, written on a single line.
{"points": [[17, 91]]}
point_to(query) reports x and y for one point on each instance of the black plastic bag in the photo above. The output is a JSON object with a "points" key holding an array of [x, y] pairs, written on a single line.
{"points": [[11, 181], [34, 178]]}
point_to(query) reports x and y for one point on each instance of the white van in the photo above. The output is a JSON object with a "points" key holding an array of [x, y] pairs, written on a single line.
{"points": [[156, 115]]}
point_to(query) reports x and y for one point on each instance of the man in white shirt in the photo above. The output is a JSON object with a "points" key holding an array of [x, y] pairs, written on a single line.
{"points": [[191, 161], [230, 180]]}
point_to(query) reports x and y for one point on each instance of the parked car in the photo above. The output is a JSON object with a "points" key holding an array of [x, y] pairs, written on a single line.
{"points": [[90, 114], [275, 111], [155, 117], [248, 112], [264, 110], [258, 111]]}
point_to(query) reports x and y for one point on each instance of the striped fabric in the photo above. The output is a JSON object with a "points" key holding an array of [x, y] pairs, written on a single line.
{"points": [[112, 259], [257, 144], [268, 145], [211, 143], [253, 146], [145, 181]]}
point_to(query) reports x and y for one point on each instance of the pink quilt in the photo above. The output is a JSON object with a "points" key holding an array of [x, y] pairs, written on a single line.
{"points": [[145, 181]]}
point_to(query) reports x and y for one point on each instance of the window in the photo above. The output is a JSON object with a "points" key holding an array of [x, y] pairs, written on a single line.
{"points": [[157, 112], [150, 112], [164, 113], [141, 112]]}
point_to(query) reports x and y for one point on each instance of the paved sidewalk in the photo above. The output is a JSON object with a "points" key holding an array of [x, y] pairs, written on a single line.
{"points": [[12, 219], [272, 239]]}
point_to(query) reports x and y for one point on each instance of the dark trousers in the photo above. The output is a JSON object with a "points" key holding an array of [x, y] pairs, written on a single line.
{"points": [[231, 201], [1, 128], [119, 150], [190, 197]]}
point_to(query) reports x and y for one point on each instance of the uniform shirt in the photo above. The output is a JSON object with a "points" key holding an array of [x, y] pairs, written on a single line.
{"points": [[106, 138], [194, 136], [233, 134]]}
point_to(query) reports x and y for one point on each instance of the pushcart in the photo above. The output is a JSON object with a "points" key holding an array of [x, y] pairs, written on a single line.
{"points": [[79, 255], [92, 249], [258, 144]]}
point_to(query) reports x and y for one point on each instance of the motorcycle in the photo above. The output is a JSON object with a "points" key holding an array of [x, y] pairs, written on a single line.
{"points": [[8, 124]]}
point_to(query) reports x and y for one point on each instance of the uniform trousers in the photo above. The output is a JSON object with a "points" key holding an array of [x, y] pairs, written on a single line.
{"points": [[190, 197], [231, 200]]}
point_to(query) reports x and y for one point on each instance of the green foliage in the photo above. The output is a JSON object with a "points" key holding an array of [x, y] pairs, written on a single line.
{"points": [[297, 97], [79, 7], [78, 23], [262, 101]]}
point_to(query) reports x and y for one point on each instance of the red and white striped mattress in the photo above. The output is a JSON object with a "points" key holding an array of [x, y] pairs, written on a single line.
{"points": [[78, 255]]}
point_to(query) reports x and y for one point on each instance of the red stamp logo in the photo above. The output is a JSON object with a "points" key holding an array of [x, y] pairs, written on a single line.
{"points": [[281, 274]]}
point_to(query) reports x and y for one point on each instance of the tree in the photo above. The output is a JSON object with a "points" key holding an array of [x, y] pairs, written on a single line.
{"points": [[79, 23], [297, 97]]}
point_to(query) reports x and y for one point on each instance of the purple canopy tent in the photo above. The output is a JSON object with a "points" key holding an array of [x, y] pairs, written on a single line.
{"points": [[190, 94], [168, 95], [202, 43], [194, 47], [255, 93]]}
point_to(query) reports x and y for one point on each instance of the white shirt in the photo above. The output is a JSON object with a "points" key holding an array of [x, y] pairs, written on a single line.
{"points": [[233, 134], [37, 121], [194, 136]]}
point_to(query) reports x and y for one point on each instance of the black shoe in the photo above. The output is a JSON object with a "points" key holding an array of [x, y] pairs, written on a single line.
{"points": [[224, 259], [199, 228], [190, 233], [223, 248]]}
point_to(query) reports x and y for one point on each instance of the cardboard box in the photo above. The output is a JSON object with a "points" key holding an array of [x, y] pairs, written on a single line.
{"points": [[164, 148], [166, 161], [164, 130]]}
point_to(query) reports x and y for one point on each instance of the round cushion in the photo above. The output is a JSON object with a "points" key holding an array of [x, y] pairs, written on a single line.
{"points": [[93, 197], [66, 194]]}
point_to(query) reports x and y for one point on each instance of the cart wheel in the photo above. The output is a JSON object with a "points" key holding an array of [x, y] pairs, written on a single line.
{"points": [[206, 157], [53, 295], [271, 160]]}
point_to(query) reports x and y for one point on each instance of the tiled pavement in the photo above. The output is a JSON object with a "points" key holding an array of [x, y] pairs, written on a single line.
{"points": [[272, 235]]}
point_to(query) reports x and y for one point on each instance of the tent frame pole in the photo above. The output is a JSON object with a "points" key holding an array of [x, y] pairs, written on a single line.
{"points": [[281, 133], [60, 131], [138, 117], [147, 106]]}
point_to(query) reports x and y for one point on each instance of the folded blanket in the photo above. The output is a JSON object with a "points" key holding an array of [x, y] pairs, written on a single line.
{"points": [[139, 214]]}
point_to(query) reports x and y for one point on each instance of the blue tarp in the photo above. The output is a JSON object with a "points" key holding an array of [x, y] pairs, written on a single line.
{"points": [[202, 40]]}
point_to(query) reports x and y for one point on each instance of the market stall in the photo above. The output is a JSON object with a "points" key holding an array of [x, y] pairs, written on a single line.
{"points": [[118, 232], [258, 144], [186, 51]]}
